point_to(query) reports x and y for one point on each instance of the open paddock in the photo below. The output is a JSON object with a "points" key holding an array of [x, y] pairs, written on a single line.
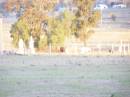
{"points": [[64, 76]]}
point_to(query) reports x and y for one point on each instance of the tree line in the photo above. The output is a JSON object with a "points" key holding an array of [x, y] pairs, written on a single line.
{"points": [[39, 19]]}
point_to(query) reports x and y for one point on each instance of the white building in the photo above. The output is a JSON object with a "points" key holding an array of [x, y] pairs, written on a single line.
{"points": [[5, 39]]}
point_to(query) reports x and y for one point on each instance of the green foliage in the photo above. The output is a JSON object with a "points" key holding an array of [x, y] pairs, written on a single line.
{"points": [[20, 30], [59, 27], [42, 43], [85, 19]]}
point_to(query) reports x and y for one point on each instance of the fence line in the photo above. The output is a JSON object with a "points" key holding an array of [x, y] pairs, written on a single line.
{"points": [[95, 49], [122, 48]]}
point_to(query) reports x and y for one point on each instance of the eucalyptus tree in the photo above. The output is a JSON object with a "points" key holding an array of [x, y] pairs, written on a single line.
{"points": [[85, 19], [33, 15]]}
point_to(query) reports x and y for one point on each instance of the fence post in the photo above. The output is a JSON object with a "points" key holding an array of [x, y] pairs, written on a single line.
{"points": [[120, 47], [128, 48], [50, 46], [99, 48], [112, 49], [124, 51]]}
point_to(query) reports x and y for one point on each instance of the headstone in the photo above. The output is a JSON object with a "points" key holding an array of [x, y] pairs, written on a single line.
{"points": [[128, 49], [124, 47], [21, 47], [31, 45], [121, 47]]}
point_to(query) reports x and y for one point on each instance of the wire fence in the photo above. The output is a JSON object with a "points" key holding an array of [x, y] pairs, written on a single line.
{"points": [[121, 48], [91, 49]]}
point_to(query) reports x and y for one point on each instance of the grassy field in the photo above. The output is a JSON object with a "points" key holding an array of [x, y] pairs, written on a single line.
{"points": [[64, 76]]}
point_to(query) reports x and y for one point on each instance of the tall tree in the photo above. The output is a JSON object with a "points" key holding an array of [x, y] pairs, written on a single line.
{"points": [[86, 18], [33, 14], [58, 28]]}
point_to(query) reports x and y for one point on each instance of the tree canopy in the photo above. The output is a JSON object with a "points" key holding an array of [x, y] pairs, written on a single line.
{"points": [[38, 18]]}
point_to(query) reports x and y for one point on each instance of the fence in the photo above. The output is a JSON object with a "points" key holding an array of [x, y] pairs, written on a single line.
{"points": [[91, 49], [119, 48]]}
